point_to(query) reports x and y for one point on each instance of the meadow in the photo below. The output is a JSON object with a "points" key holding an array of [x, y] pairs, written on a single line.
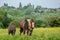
{"points": [[38, 34]]}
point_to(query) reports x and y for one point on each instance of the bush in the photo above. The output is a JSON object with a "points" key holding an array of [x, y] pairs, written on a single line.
{"points": [[1, 25], [38, 23], [54, 21], [14, 22]]}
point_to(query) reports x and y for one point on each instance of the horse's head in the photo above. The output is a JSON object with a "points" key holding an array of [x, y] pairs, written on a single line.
{"points": [[32, 24]]}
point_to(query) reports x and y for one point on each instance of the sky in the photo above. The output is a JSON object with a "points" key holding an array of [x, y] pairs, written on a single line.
{"points": [[43, 3]]}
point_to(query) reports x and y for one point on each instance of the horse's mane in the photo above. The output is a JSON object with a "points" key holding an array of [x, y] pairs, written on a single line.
{"points": [[26, 24]]}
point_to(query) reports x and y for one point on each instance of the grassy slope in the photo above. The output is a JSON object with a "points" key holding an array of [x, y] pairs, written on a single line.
{"points": [[38, 34]]}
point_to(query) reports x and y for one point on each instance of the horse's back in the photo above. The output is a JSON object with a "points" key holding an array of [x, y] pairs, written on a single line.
{"points": [[11, 27]]}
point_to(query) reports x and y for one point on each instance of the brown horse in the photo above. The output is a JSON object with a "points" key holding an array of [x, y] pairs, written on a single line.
{"points": [[26, 26], [11, 29]]}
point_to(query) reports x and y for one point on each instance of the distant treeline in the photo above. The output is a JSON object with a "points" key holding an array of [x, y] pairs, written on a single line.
{"points": [[43, 17]]}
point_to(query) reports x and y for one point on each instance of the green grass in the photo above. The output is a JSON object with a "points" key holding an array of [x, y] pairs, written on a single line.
{"points": [[38, 34]]}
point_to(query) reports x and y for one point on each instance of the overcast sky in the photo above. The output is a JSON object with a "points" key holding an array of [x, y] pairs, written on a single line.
{"points": [[43, 3]]}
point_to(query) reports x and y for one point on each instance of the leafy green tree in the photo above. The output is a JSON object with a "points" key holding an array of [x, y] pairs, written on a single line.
{"points": [[38, 8]]}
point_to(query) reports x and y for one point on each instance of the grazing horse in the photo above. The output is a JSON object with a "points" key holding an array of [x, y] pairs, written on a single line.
{"points": [[11, 29], [26, 26]]}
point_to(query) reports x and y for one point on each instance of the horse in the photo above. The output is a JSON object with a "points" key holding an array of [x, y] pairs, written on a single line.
{"points": [[26, 26], [11, 29]]}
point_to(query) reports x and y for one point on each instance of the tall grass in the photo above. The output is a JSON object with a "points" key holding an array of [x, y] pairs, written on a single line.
{"points": [[38, 34]]}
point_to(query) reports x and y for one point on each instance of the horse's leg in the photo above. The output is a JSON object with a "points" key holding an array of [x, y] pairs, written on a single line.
{"points": [[9, 32], [21, 30], [14, 32], [31, 32], [26, 32]]}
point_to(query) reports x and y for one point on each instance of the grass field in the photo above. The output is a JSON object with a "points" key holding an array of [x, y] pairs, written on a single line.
{"points": [[38, 34]]}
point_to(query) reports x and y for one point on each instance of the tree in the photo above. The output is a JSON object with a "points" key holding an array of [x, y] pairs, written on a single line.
{"points": [[6, 20], [5, 4], [37, 8], [28, 5], [20, 5]]}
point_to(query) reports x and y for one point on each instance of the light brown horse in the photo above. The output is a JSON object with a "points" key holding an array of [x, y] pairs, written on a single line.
{"points": [[26, 26]]}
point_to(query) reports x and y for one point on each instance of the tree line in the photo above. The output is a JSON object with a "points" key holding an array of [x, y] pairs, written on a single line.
{"points": [[43, 17]]}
